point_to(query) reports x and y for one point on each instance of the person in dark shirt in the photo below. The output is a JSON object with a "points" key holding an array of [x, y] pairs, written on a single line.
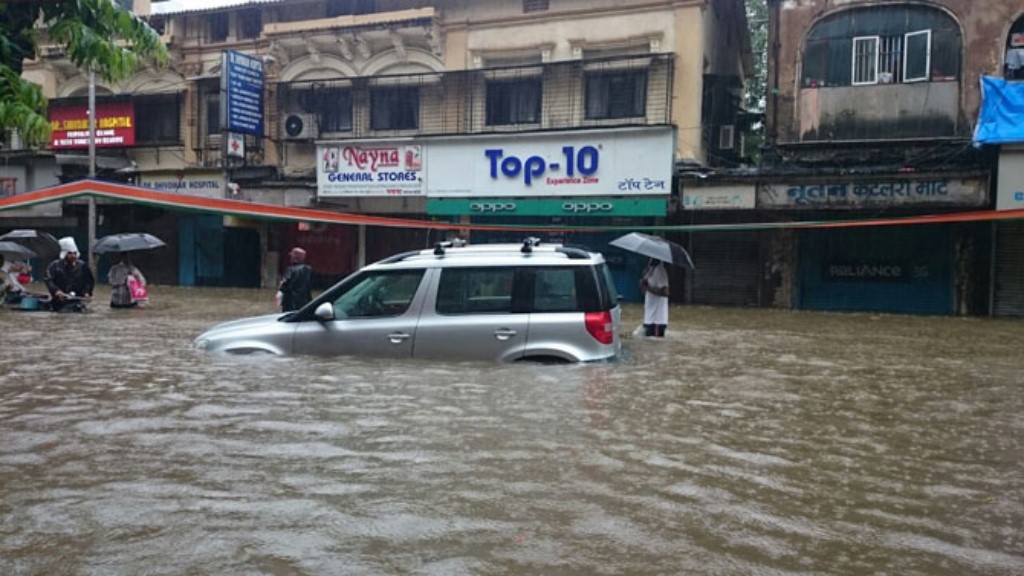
{"points": [[295, 286], [68, 279]]}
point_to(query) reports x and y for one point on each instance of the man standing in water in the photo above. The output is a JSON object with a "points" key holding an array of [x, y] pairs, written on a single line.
{"points": [[68, 279], [654, 285], [295, 286]]}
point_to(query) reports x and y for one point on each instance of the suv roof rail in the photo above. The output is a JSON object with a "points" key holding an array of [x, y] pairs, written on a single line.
{"points": [[453, 243], [529, 243], [399, 257], [573, 252]]}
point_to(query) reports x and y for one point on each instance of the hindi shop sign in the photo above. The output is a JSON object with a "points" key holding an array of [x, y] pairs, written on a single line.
{"points": [[623, 162], [115, 126], [241, 79], [923, 192], [371, 170]]}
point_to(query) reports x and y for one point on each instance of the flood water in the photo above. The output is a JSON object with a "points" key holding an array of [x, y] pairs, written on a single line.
{"points": [[748, 442]]}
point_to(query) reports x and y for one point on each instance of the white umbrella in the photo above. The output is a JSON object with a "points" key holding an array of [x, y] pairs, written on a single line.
{"points": [[654, 247]]}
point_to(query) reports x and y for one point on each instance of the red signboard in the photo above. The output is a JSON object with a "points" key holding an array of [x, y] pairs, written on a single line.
{"points": [[115, 126]]}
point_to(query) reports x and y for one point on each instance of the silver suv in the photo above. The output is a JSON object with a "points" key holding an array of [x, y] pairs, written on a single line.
{"points": [[503, 302]]}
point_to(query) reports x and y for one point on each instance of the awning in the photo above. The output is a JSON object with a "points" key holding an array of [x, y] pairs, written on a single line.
{"points": [[1001, 119]]}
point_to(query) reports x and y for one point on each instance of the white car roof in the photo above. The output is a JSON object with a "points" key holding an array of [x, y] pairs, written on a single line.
{"points": [[492, 255]]}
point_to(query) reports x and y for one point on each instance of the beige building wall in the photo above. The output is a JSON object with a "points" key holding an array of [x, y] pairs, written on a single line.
{"points": [[472, 34]]}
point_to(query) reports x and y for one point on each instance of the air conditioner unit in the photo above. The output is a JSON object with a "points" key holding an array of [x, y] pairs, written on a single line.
{"points": [[727, 137], [299, 126]]}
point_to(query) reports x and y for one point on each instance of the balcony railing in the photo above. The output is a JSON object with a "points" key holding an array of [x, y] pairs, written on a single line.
{"points": [[578, 94]]}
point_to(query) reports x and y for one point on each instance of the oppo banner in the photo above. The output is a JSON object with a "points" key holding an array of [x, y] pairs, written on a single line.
{"points": [[115, 126]]}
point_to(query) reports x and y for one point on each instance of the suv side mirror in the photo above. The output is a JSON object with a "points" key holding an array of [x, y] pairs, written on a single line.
{"points": [[324, 312]]}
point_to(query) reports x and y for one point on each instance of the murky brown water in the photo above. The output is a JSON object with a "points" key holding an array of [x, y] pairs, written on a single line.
{"points": [[748, 442]]}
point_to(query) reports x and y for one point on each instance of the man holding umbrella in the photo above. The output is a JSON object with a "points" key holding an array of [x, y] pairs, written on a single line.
{"points": [[654, 282], [68, 279], [654, 285]]}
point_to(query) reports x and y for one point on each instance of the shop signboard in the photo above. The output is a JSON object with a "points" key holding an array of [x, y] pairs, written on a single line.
{"points": [[730, 197], [115, 126], [378, 169], [242, 81], [620, 162], [566, 207], [208, 184], [873, 194], [1010, 190]]}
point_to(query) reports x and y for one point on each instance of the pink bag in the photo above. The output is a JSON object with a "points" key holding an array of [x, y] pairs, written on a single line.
{"points": [[137, 290]]}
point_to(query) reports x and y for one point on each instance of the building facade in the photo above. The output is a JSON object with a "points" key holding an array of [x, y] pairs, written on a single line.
{"points": [[870, 113], [530, 113]]}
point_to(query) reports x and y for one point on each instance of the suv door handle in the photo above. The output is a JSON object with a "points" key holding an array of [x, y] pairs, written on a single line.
{"points": [[398, 337], [504, 333]]}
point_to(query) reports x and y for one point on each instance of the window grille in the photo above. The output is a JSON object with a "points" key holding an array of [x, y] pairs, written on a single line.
{"points": [[616, 94], [160, 119], [513, 102], [865, 60], [395, 108]]}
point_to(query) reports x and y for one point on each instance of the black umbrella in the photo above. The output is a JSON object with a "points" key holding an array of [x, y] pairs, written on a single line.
{"points": [[15, 251], [42, 243], [127, 243], [654, 247]]}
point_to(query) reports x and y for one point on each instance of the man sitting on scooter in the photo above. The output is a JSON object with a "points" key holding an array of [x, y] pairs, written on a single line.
{"points": [[69, 280]]}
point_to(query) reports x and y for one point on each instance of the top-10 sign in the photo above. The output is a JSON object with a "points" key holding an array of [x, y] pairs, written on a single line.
{"points": [[621, 162], [241, 81]]}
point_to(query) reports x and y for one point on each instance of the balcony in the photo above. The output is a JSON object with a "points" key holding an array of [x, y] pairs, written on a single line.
{"points": [[578, 94], [921, 110]]}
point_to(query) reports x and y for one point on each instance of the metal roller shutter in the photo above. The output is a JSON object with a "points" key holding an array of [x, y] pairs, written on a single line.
{"points": [[728, 268], [1009, 272]]}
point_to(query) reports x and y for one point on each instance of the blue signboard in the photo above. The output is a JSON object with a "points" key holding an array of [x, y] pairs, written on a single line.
{"points": [[242, 85]]}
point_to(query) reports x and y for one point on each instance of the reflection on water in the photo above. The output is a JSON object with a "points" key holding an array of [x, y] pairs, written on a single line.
{"points": [[747, 442]]}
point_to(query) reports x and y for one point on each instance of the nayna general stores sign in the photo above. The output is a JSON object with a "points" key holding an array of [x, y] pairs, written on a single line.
{"points": [[372, 170], [115, 126]]}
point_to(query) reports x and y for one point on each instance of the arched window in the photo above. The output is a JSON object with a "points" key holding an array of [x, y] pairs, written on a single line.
{"points": [[1014, 64], [882, 45]]}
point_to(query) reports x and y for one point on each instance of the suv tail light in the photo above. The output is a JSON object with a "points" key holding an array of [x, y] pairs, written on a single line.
{"points": [[600, 326]]}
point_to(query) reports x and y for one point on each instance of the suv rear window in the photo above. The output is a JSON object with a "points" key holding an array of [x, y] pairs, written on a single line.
{"points": [[610, 296], [520, 289]]}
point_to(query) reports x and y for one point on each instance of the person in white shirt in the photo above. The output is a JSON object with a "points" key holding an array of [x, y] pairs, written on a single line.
{"points": [[654, 285]]}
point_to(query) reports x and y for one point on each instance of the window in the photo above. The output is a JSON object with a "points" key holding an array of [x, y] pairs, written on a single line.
{"points": [[249, 24], [513, 102], [211, 109], [475, 291], [883, 60], [395, 108], [349, 7], [333, 108], [612, 95], [535, 5], [882, 45], [157, 120], [917, 58], [217, 27], [564, 289], [865, 60], [378, 294]]}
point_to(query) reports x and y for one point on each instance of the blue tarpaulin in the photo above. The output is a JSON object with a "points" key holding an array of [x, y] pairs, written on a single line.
{"points": [[1001, 120]]}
